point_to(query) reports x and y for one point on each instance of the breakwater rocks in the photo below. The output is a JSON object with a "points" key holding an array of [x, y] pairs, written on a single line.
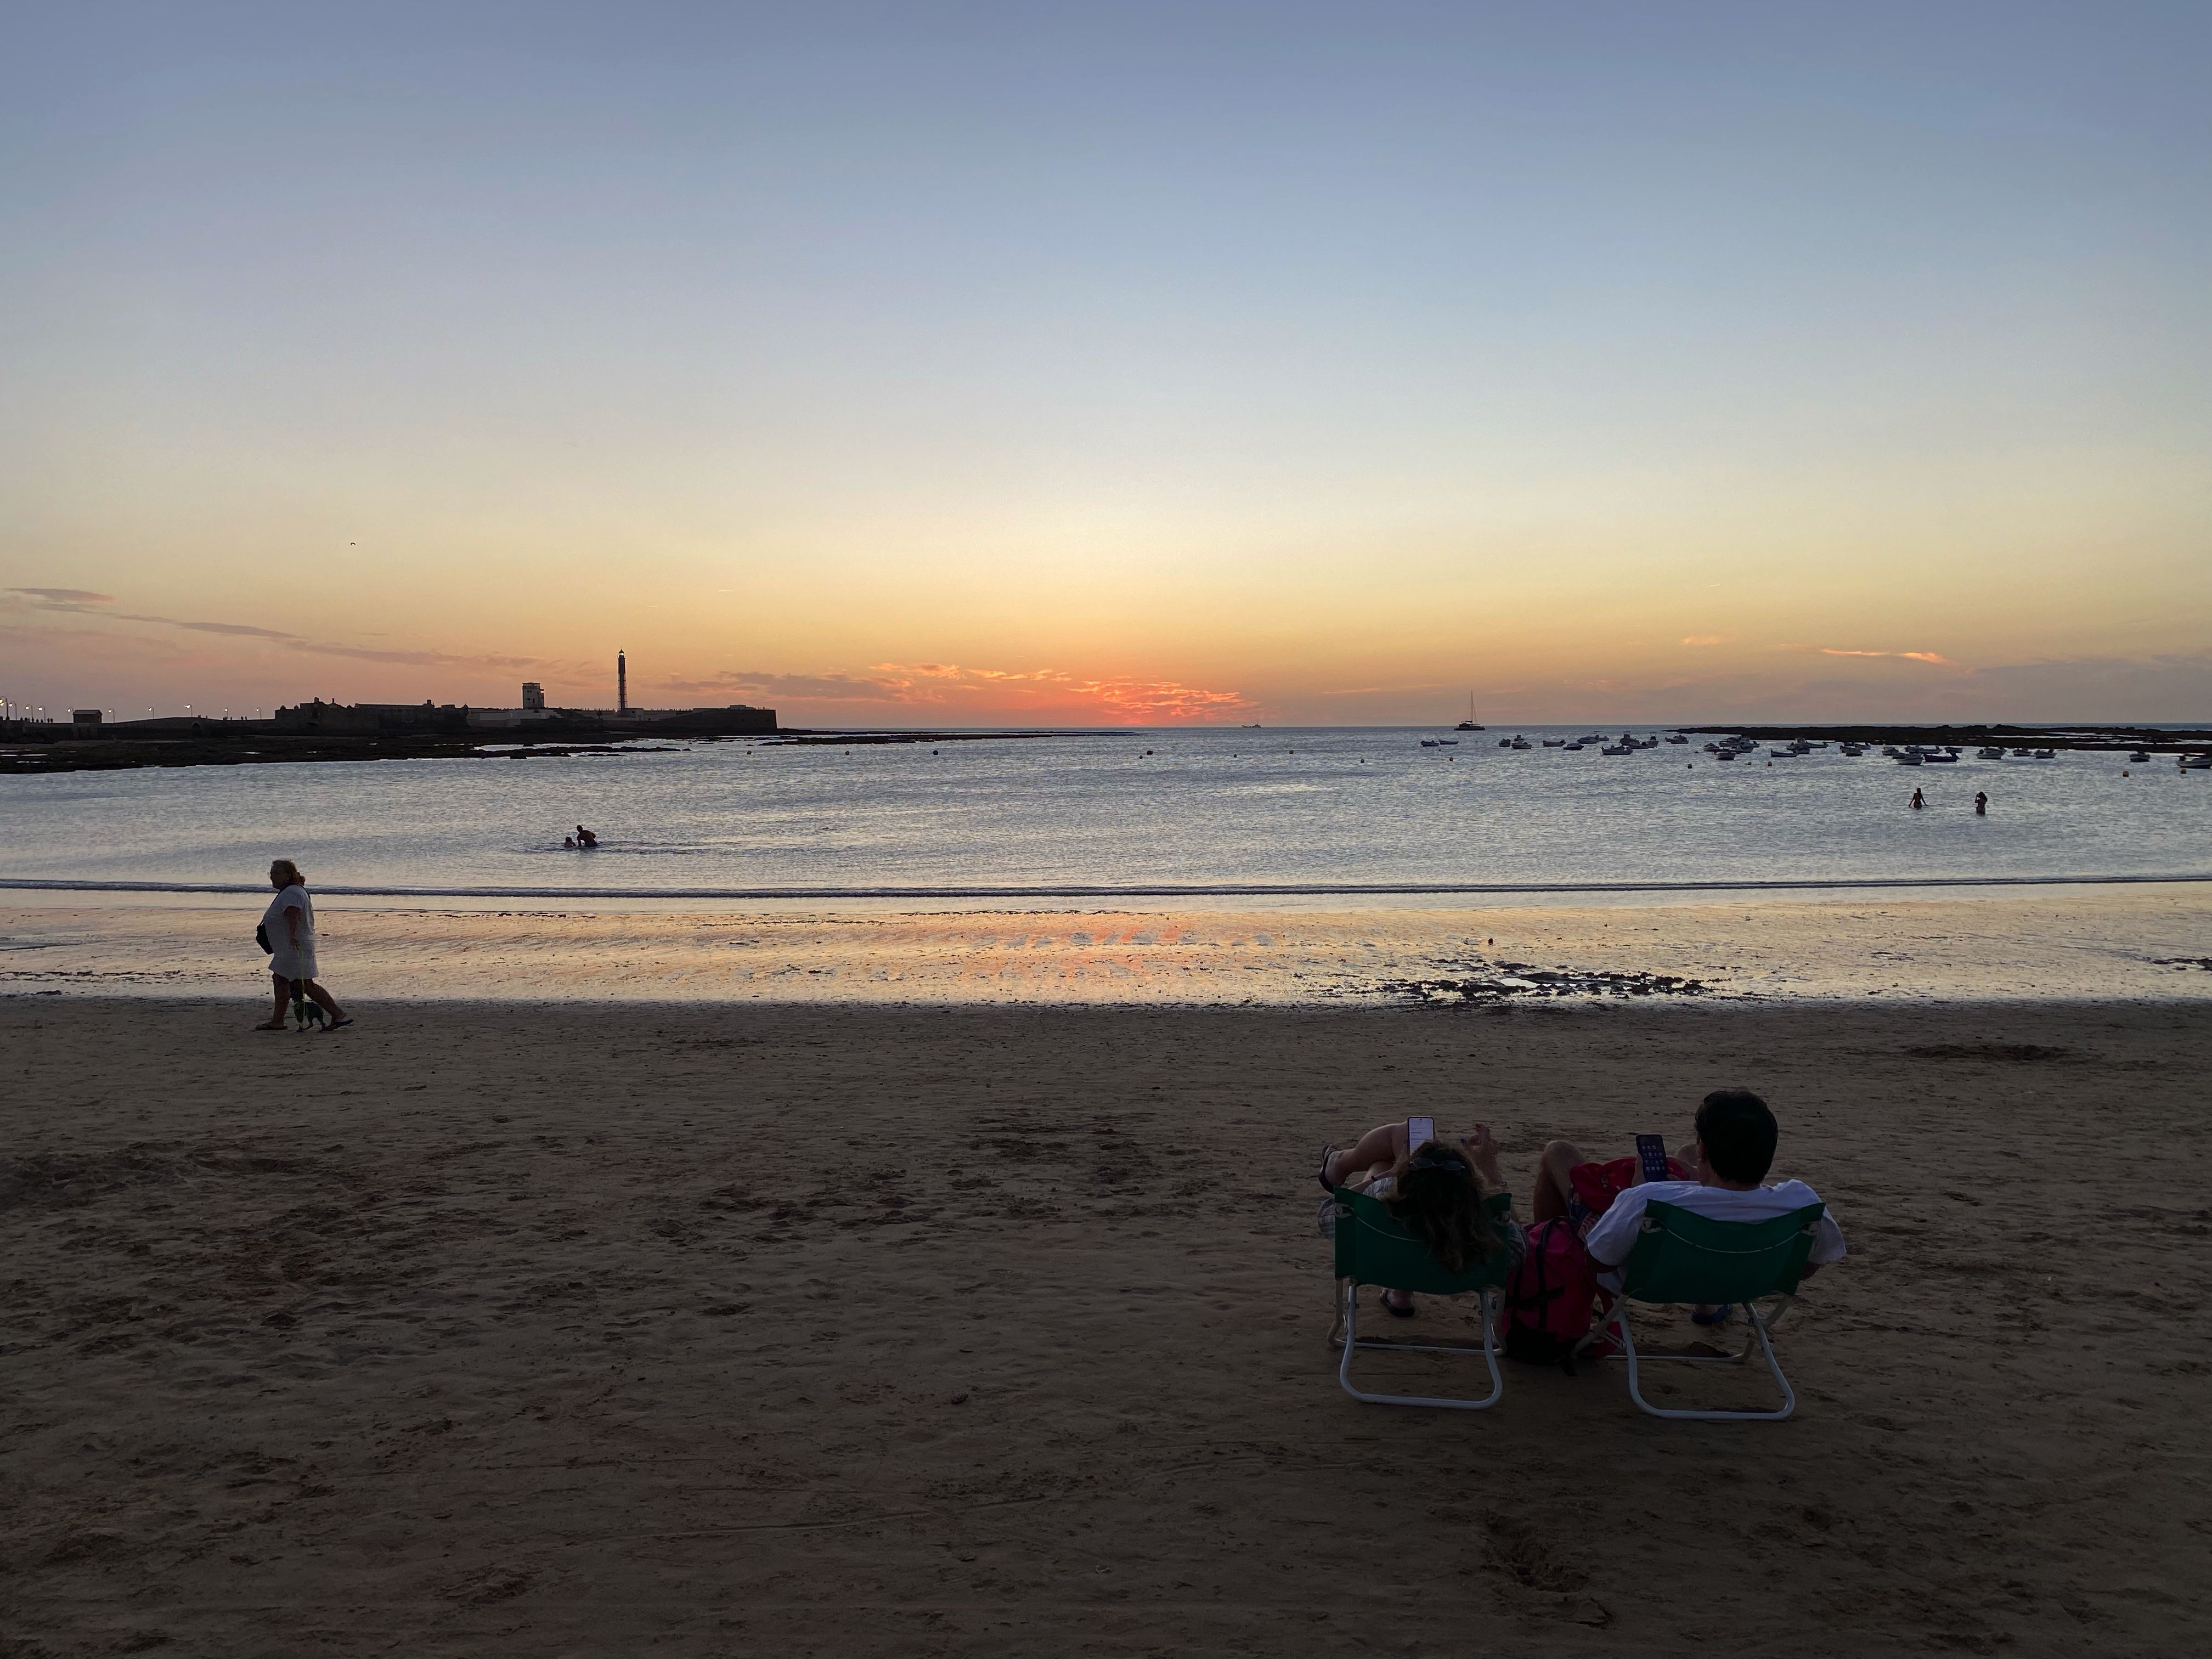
{"points": [[2169, 739], [1506, 981]]}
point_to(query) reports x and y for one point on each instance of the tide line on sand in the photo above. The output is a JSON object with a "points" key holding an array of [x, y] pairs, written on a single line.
{"points": [[1136, 889]]}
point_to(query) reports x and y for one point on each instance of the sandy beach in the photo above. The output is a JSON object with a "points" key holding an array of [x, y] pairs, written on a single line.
{"points": [[488, 1328]]}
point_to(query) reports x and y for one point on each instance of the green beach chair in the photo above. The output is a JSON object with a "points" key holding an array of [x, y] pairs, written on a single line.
{"points": [[1373, 1248], [1683, 1256]]}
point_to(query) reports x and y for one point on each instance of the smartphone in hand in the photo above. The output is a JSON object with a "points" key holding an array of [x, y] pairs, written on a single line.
{"points": [[1420, 1132], [1651, 1155]]}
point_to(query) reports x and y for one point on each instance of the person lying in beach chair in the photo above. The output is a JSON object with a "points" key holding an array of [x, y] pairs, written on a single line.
{"points": [[1722, 1241], [1434, 1219]]}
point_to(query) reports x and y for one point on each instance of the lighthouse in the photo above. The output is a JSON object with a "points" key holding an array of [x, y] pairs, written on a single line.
{"points": [[621, 682]]}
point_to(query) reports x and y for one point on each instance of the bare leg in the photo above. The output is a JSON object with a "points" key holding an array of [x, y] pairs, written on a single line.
{"points": [[283, 997], [1376, 1152], [325, 1000], [1554, 1186]]}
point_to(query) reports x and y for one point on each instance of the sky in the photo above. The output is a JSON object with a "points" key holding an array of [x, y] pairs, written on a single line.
{"points": [[1133, 364]]}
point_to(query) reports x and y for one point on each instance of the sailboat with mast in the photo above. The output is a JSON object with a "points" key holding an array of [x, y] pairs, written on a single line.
{"points": [[1468, 725]]}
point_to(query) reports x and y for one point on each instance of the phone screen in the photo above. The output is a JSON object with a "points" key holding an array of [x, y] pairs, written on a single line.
{"points": [[1651, 1152], [1419, 1131]]}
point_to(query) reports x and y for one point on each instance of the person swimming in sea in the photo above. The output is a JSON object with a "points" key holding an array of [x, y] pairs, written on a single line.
{"points": [[585, 838], [1981, 805], [1917, 802]]}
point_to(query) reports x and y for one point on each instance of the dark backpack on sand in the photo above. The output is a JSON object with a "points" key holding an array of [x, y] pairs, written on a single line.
{"points": [[1549, 1300]]}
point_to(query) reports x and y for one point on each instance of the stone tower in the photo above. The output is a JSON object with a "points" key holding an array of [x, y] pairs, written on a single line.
{"points": [[621, 682]]}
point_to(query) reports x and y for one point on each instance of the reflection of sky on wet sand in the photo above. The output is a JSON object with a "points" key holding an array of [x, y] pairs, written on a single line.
{"points": [[2043, 943]]}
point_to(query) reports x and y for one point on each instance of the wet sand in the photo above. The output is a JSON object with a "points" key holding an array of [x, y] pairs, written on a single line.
{"points": [[2147, 941], [864, 1330]]}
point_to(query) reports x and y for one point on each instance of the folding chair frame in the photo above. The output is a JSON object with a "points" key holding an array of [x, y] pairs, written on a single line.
{"points": [[1617, 1320], [1488, 1351]]}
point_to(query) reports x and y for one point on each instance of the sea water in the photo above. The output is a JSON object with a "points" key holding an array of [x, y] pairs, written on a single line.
{"points": [[1146, 811]]}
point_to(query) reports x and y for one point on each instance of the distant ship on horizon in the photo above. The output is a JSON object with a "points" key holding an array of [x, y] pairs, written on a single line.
{"points": [[1468, 725]]}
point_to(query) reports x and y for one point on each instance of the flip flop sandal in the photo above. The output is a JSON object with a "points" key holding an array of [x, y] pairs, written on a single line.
{"points": [[340, 1024], [1322, 1174], [1394, 1310], [1720, 1316]]}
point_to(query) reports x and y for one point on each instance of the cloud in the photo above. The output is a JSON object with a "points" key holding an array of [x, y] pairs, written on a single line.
{"points": [[1166, 699], [1381, 690], [816, 687], [955, 686], [1903, 656], [219, 627], [1704, 639], [79, 600], [1128, 697], [64, 597]]}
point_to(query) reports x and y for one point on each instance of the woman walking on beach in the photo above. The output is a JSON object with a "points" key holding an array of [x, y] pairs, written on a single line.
{"points": [[289, 929]]}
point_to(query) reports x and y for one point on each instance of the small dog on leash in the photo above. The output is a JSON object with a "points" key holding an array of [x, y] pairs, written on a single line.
{"points": [[309, 1013]]}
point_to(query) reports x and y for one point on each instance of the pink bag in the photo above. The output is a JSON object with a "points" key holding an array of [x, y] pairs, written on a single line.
{"points": [[1549, 1299]]}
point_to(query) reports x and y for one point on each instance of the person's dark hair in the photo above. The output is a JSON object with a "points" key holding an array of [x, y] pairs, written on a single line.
{"points": [[1739, 1134], [1440, 1198]]}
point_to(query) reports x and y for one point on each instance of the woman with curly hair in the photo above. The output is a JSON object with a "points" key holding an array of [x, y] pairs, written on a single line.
{"points": [[1440, 1190], [288, 932]]}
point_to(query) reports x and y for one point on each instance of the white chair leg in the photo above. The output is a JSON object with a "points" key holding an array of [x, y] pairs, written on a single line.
{"points": [[1619, 1317], [1353, 1344]]}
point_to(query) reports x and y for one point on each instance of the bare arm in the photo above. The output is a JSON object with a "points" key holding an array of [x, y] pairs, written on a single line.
{"points": [[1482, 1148]]}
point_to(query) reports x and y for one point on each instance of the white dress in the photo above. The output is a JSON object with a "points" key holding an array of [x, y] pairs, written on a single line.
{"points": [[292, 964]]}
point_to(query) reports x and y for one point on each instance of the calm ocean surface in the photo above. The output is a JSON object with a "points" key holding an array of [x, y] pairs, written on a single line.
{"points": [[1300, 809]]}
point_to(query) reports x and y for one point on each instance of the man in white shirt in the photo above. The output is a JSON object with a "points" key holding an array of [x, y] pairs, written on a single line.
{"points": [[1736, 1138]]}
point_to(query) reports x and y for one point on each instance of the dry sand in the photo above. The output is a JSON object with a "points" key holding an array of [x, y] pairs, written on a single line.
{"points": [[594, 1329]]}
